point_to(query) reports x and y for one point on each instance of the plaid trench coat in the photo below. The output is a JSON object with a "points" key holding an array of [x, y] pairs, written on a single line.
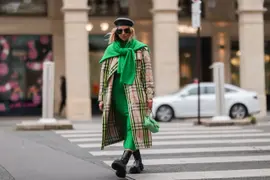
{"points": [[137, 96]]}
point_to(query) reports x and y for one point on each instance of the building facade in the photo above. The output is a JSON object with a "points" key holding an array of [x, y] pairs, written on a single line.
{"points": [[71, 33]]}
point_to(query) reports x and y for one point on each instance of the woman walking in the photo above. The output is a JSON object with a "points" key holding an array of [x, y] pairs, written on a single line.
{"points": [[125, 95]]}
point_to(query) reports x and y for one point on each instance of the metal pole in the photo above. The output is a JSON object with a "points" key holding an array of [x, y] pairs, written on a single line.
{"points": [[198, 56]]}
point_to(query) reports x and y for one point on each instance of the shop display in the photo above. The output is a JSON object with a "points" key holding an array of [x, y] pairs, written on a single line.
{"points": [[21, 60]]}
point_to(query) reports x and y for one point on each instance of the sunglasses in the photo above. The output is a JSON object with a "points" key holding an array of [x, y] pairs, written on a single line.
{"points": [[120, 31]]}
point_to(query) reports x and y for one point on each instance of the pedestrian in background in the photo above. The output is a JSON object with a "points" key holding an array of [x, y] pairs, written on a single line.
{"points": [[63, 91], [125, 95]]}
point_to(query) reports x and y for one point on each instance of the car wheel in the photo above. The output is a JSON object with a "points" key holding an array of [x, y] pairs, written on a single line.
{"points": [[238, 111], [164, 113]]}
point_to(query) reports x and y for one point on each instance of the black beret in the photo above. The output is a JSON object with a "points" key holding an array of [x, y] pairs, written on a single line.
{"points": [[123, 22]]}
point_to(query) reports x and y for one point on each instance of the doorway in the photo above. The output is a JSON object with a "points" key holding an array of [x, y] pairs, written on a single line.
{"points": [[188, 60]]}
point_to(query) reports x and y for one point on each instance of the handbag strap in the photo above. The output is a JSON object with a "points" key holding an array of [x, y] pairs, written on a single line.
{"points": [[150, 112]]}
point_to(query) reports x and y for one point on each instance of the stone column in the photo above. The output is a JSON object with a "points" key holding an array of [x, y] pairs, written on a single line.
{"points": [[77, 60], [165, 44], [251, 39]]}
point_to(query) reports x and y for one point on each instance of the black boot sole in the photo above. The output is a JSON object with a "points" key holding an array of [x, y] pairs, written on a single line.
{"points": [[136, 170], [120, 169]]}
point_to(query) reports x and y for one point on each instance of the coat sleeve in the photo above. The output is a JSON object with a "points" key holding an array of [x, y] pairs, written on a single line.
{"points": [[102, 82], [147, 75]]}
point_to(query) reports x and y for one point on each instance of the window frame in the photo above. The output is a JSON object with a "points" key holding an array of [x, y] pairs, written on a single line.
{"points": [[226, 89], [202, 90], [29, 14], [189, 13], [210, 86], [122, 11]]}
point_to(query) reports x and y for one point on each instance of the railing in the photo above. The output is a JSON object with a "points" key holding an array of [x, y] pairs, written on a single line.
{"points": [[108, 7]]}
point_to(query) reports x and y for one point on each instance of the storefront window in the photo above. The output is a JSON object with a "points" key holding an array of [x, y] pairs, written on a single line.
{"points": [[185, 8], [235, 64], [187, 58], [21, 61], [188, 61], [108, 7], [97, 46], [267, 13], [23, 7]]}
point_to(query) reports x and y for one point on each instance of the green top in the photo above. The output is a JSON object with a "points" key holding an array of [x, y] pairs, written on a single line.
{"points": [[127, 58]]}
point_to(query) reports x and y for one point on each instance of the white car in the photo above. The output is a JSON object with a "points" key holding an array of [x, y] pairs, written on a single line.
{"points": [[239, 103]]}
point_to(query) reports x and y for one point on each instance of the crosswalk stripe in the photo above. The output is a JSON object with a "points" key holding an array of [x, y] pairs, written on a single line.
{"points": [[196, 160], [190, 142], [183, 137], [87, 126], [85, 139], [204, 174], [263, 124], [162, 129], [170, 133], [80, 135], [185, 150], [230, 139]]}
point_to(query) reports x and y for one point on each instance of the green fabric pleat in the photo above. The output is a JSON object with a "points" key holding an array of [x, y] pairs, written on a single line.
{"points": [[120, 104]]}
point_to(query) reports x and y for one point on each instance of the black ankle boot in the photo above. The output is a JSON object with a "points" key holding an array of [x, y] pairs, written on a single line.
{"points": [[120, 165], [137, 166]]}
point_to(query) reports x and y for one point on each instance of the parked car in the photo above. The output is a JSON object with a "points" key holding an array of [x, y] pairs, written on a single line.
{"points": [[239, 103]]}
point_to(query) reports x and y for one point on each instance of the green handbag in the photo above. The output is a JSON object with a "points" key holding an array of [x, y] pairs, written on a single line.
{"points": [[151, 124]]}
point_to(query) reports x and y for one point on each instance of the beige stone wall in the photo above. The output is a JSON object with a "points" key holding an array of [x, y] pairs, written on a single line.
{"points": [[53, 24]]}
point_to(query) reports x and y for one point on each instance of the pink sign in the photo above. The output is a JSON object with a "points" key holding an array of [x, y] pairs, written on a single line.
{"points": [[15, 97], [3, 69], [2, 107]]}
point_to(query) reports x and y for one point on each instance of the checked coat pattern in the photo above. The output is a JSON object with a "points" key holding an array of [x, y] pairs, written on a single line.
{"points": [[137, 95]]}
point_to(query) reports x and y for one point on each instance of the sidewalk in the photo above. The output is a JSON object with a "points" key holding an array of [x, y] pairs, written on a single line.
{"points": [[26, 160]]}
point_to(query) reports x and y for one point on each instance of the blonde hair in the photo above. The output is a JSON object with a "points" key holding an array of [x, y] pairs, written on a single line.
{"points": [[113, 35]]}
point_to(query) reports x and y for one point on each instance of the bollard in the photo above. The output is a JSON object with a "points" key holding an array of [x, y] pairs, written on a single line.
{"points": [[218, 76], [48, 93]]}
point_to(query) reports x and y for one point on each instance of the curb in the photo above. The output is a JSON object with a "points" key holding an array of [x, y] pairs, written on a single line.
{"points": [[243, 122], [36, 125]]}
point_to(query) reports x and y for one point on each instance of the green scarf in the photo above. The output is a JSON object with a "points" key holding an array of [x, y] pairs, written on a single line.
{"points": [[126, 60]]}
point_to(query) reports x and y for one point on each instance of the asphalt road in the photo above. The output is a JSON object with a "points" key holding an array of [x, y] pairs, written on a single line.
{"points": [[180, 151]]}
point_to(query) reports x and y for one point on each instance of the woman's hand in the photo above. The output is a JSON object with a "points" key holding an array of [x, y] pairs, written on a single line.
{"points": [[100, 105], [150, 104]]}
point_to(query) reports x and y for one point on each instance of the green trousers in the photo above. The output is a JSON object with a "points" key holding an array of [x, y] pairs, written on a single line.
{"points": [[120, 105]]}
